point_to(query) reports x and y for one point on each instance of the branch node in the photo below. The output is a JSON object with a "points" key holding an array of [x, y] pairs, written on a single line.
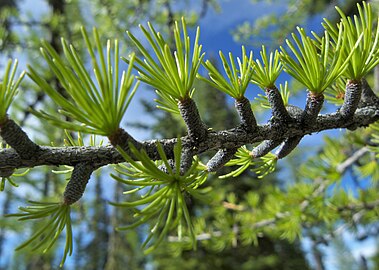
{"points": [[295, 112], [122, 139], [5, 173]]}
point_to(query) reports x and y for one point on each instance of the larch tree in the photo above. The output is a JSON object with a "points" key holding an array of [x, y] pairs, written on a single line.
{"points": [[163, 173]]}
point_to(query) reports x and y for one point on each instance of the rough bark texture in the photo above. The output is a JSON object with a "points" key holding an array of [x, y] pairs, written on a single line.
{"points": [[248, 121], [264, 148], [287, 147], [294, 111], [13, 135], [197, 130], [312, 108], [78, 182], [186, 160], [220, 159], [233, 138], [368, 96], [277, 106], [351, 99], [122, 138]]}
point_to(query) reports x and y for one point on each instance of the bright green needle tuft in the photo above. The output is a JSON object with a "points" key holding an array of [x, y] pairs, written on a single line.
{"points": [[163, 186], [172, 73], [46, 236], [97, 101], [8, 87]]}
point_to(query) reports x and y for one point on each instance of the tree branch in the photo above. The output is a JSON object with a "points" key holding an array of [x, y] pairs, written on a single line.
{"points": [[277, 105], [18, 139], [312, 108], [220, 159], [368, 96], [247, 117], [226, 139], [351, 99], [341, 168], [197, 130], [78, 182]]}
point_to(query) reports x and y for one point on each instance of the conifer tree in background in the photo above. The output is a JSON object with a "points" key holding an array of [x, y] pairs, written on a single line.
{"points": [[175, 175]]}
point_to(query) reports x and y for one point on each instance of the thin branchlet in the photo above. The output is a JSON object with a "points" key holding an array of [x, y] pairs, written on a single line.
{"points": [[312, 108], [197, 130], [368, 96], [264, 148], [288, 146], [123, 139], [186, 160], [18, 139], [76, 186], [351, 99], [248, 121], [164, 169], [277, 105], [220, 159]]}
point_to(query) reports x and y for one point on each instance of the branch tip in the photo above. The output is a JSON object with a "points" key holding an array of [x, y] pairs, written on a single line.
{"points": [[288, 146]]}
